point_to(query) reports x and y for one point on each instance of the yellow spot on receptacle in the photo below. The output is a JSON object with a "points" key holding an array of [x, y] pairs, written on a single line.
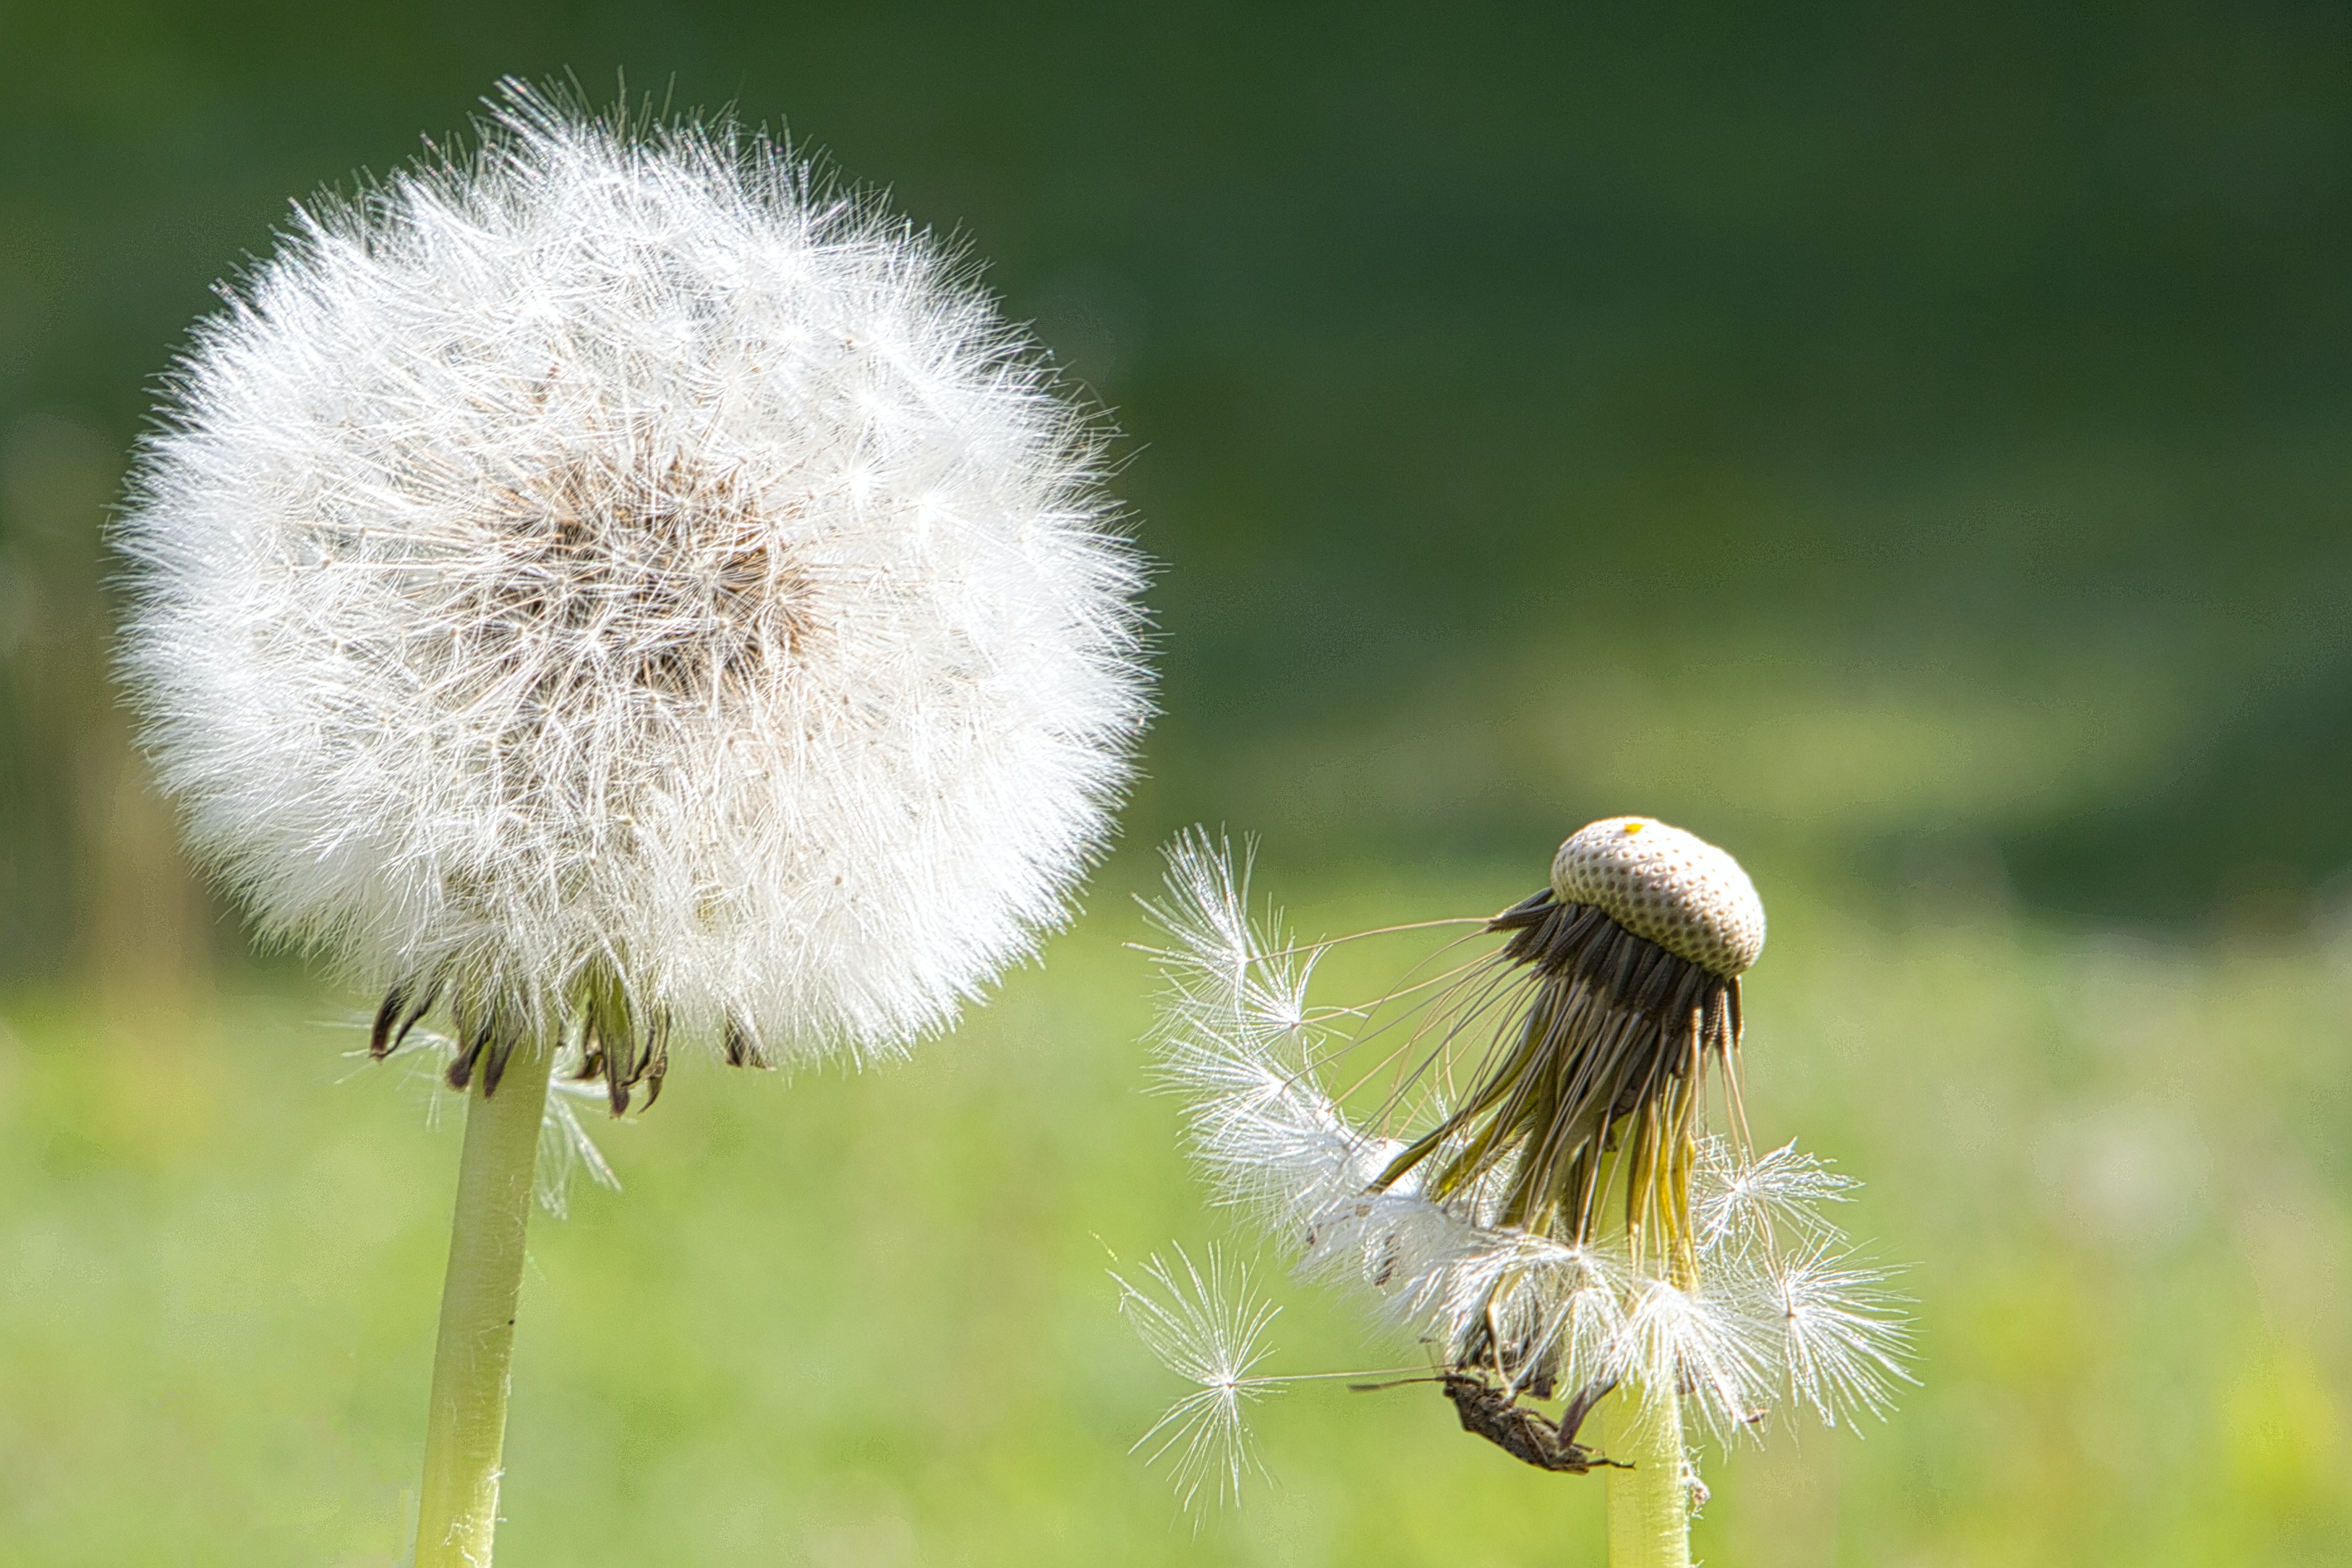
{"points": [[1633, 828]]}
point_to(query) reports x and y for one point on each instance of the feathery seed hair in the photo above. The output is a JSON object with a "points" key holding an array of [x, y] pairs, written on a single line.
{"points": [[613, 582]]}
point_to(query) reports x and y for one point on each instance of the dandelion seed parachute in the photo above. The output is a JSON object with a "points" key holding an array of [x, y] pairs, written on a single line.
{"points": [[1210, 1328], [613, 578]]}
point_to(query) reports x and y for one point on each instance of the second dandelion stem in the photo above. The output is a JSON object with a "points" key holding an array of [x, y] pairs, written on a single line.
{"points": [[1649, 1505], [465, 1435]]}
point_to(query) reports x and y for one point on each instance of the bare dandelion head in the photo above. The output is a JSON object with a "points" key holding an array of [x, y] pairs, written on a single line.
{"points": [[1632, 956], [614, 584], [1665, 886], [1511, 1154]]}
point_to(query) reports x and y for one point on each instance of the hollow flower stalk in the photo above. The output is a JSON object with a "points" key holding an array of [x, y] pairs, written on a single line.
{"points": [[610, 590], [1533, 1188]]}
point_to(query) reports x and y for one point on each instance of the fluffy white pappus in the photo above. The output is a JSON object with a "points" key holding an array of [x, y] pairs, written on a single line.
{"points": [[1699, 1347], [1233, 1039], [1210, 1329], [1844, 1338], [1745, 1201], [1779, 1308], [1563, 1305], [615, 557]]}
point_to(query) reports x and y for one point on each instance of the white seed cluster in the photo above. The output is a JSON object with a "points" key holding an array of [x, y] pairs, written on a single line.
{"points": [[1665, 886], [615, 553]]}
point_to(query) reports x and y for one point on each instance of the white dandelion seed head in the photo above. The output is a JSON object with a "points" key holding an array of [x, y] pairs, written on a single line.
{"points": [[615, 551], [1665, 886]]}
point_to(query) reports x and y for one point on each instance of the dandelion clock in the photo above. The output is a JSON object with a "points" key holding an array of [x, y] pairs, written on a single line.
{"points": [[614, 595], [1532, 1160]]}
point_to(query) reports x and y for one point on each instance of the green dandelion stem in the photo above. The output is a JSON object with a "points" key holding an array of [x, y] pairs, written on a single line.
{"points": [[466, 1432], [1649, 1505]]}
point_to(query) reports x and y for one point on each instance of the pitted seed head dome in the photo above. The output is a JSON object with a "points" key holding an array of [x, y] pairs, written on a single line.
{"points": [[1665, 886]]}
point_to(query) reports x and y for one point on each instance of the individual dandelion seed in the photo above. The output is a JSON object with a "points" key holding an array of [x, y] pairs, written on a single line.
{"points": [[1511, 1153], [1208, 1325], [1843, 1335], [1748, 1199], [1210, 1329], [614, 591]]}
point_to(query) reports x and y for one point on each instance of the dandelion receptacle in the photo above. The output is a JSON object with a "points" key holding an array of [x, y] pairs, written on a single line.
{"points": [[1532, 1159], [612, 592]]}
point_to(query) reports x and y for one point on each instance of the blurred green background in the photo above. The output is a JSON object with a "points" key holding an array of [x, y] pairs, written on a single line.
{"points": [[1911, 449]]}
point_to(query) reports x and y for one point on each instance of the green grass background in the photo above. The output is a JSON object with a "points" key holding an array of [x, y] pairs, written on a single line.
{"points": [[864, 1319]]}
